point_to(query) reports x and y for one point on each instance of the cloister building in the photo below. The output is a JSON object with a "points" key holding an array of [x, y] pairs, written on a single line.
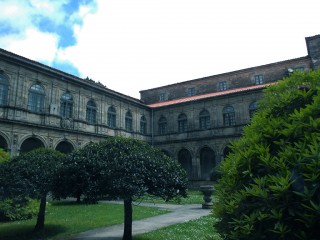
{"points": [[192, 121]]}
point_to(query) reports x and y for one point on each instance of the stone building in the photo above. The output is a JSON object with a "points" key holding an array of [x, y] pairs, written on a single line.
{"points": [[191, 121]]}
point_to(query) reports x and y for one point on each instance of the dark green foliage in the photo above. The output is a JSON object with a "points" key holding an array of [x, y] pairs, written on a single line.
{"points": [[18, 208], [270, 188], [15, 208], [81, 174], [127, 169], [33, 175], [136, 168]]}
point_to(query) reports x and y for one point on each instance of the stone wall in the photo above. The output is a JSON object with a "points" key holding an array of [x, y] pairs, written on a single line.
{"points": [[237, 79]]}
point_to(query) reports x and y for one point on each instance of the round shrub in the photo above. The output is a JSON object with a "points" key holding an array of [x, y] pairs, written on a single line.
{"points": [[270, 184], [18, 208]]}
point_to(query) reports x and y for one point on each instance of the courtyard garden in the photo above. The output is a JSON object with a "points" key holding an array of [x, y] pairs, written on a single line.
{"points": [[268, 189], [64, 219]]}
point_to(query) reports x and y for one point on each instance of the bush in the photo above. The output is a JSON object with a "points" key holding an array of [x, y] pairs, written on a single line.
{"points": [[270, 185], [18, 208]]}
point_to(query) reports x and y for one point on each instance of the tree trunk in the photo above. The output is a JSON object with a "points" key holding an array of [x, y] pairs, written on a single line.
{"points": [[127, 233], [41, 215], [78, 197]]}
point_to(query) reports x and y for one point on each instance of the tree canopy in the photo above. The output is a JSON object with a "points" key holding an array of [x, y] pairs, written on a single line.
{"points": [[128, 169], [270, 181], [33, 175]]}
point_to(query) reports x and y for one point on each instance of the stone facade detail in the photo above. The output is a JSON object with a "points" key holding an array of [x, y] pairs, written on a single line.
{"points": [[193, 121]]}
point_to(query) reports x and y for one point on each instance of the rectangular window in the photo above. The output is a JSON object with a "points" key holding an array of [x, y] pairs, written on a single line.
{"points": [[191, 91], [229, 119], [162, 97], [258, 79], [162, 128], [182, 125], [300, 69], [205, 122], [223, 86]]}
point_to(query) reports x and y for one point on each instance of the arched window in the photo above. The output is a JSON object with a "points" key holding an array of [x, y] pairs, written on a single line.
{"points": [[4, 88], [162, 125], [229, 116], [143, 125], [252, 109], [91, 115], [36, 98], [66, 105], [182, 123], [112, 117], [204, 119], [128, 121]]}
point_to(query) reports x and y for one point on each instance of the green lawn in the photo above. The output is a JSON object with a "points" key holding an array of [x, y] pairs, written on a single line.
{"points": [[67, 218], [64, 219], [199, 229]]}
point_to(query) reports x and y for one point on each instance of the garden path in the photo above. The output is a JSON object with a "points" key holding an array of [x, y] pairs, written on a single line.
{"points": [[179, 214]]}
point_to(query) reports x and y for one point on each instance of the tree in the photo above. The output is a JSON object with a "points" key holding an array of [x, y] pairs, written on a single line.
{"points": [[33, 175], [269, 187], [129, 169], [80, 175]]}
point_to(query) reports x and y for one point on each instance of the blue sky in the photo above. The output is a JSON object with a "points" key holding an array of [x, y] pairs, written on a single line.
{"points": [[133, 45]]}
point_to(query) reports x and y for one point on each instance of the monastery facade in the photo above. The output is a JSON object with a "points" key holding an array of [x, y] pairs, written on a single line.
{"points": [[192, 121]]}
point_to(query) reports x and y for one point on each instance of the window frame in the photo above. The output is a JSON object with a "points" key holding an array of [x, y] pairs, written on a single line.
{"points": [[162, 125], [66, 105], [182, 123], [259, 79], [143, 125], [128, 121], [36, 98], [223, 85], [204, 119], [4, 89], [112, 117], [162, 97], [229, 116], [191, 91], [91, 112]]}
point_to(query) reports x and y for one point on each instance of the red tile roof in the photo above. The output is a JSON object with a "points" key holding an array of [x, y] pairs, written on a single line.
{"points": [[208, 95]]}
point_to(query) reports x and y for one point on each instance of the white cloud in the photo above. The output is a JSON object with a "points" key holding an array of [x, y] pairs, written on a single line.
{"points": [[134, 45], [33, 44], [20, 14]]}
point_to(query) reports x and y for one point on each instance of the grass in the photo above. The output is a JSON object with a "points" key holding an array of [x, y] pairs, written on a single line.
{"points": [[64, 219], [200, 229]]}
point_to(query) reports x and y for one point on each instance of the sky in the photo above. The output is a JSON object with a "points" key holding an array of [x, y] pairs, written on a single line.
{"points": [[133, 45]]}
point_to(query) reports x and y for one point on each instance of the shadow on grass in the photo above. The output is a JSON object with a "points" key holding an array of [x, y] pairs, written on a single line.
{"points": [[26, 232]]}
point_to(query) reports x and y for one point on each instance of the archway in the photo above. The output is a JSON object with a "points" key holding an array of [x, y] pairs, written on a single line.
{"points": [[207, 162], [185, 159], [3, 143], [30, 144], [65, 147]]}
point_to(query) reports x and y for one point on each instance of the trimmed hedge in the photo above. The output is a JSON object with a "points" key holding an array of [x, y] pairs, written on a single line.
{"points": [[270, 184]]}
